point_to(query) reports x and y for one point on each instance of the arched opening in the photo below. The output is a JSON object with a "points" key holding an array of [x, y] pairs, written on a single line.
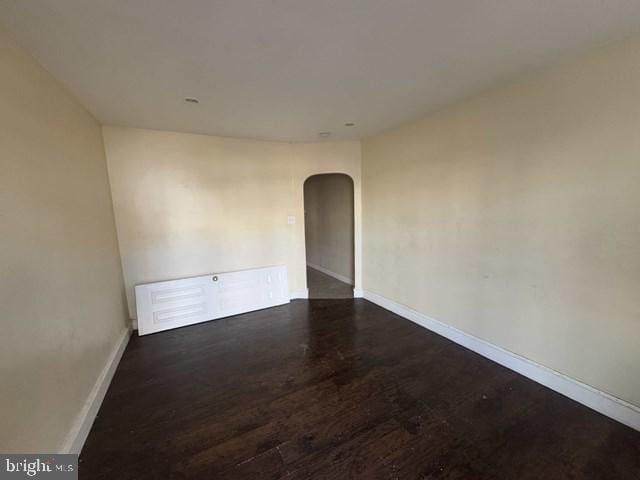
{"points": [[329, 235]]}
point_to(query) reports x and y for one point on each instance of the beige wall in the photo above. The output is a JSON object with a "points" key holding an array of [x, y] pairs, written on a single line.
{"points": [[328, 204], [515, 216], [61, 296], [188, 204]]}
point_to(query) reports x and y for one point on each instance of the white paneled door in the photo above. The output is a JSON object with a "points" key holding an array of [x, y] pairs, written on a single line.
{"points": [[176, 303], [247, 290]]}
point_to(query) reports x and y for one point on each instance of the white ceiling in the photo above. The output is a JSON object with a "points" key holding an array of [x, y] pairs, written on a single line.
{"points": [[288, 69]]}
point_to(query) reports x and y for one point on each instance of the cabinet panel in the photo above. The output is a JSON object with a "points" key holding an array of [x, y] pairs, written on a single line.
{"points": [[176, 303]]}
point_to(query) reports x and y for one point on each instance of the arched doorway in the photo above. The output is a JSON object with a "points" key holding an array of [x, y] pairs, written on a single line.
{"points": [[329, 235]]}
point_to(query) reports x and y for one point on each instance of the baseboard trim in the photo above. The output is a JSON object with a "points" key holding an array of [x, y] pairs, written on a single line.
{"points": [[597, 400], [337, 276], [303, 293], [80, 429], [358, 293]]}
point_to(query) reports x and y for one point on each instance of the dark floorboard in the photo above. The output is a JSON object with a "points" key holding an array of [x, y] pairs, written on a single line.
{"points": [[338, 389]]}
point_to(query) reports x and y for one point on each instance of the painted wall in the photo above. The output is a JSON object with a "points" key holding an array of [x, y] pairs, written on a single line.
{"points": [[61, 297], [190, 205], [514, 216], [328, 204]]}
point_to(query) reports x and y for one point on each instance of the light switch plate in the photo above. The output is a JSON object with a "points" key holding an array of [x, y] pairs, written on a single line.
{"points": [[291, 219]]}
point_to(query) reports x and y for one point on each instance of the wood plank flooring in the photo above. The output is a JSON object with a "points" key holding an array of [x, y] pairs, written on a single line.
{"points": [[338, 389], [325, 286]]}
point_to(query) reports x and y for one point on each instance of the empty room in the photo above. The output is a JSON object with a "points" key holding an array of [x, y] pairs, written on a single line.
{"points": [[318, 239]]}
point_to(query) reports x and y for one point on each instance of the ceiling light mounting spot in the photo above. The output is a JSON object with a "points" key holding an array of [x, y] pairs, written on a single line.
{"points": [[324, 134], [191, 100], [349, 124]]}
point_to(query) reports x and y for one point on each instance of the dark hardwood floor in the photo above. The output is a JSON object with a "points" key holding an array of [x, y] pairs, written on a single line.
{"points": [[338, 389]]}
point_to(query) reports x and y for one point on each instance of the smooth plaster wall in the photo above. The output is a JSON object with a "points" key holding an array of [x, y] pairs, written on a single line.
{"points": [[514, 216], [328, 204], [62, 296], [190, 204]]}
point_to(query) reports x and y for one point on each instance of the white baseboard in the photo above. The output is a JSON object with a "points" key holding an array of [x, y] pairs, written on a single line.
{"points": [[597, 400], [337, 276], [76, 437], [303, 293], [358, 293], [134, 324]]}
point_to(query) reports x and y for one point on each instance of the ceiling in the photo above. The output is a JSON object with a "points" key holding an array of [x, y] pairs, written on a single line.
{"points": [[289, 69]]}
